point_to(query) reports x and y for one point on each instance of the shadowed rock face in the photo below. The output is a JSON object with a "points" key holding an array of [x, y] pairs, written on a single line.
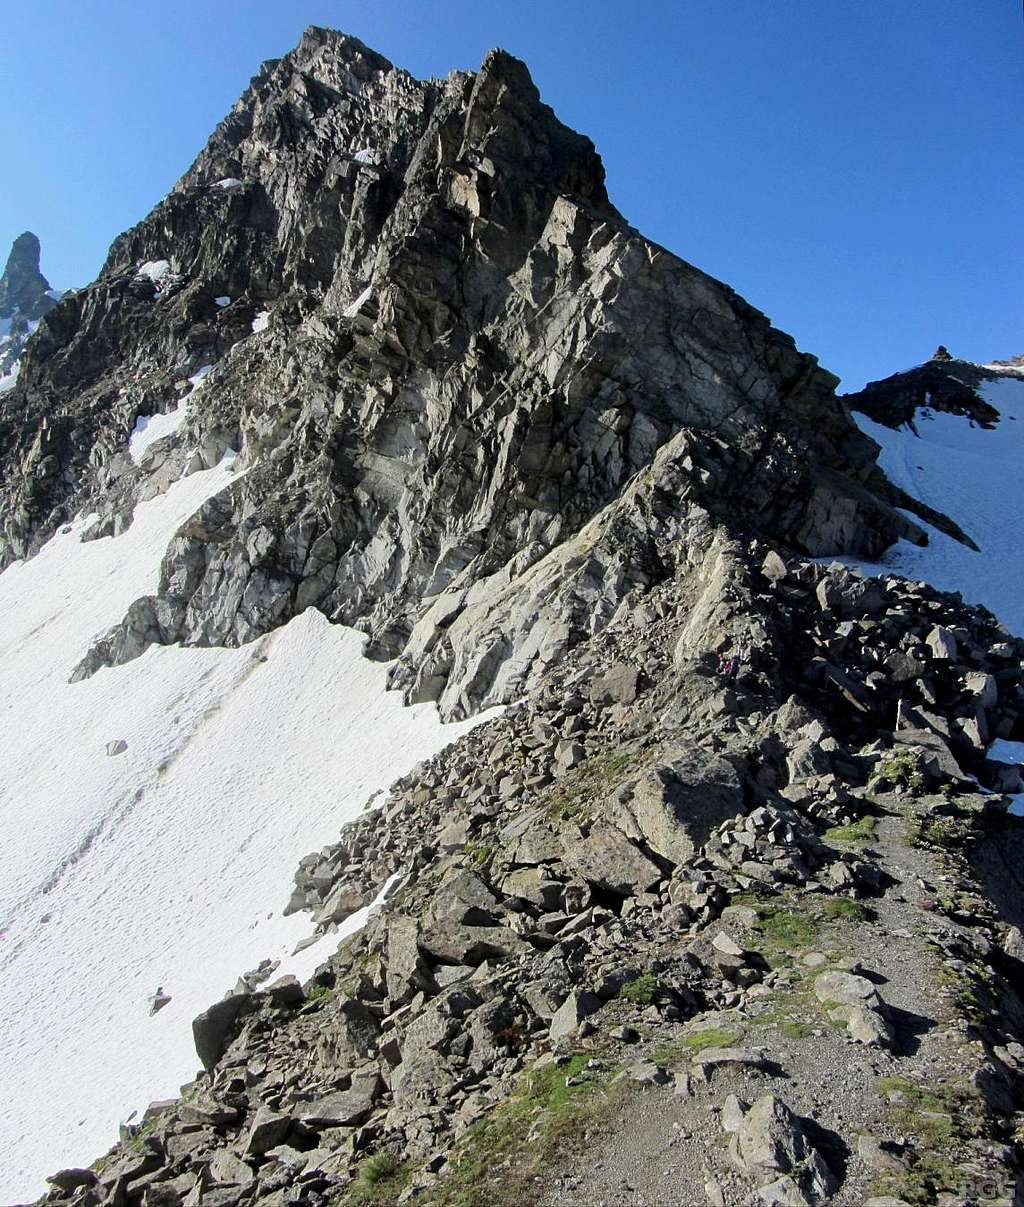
{"points": [[481, 409]]}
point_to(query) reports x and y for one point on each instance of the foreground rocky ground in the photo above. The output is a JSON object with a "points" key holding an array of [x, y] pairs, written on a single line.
{"points": [[659, 935]]}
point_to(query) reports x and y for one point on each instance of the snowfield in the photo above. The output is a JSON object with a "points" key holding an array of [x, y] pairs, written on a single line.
{"points": [[975, 476], [167, 864]]}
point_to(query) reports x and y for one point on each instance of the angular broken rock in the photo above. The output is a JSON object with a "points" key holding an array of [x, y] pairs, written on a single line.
{"points": [[464, 898], [452, 943], [713, 1058], [769, 1137], [267, 1130], [674, 809], [608, 859], [342, 902], [844, 989], [855, 1001], [407, 972], [345, 1109], [646, 1072], [579, 1005], [70, 1179], [773, 567], [726, 945], [212, 1029], [616, 685], [228, 1169], [285, 991], [942, 644], [867, 1026]]}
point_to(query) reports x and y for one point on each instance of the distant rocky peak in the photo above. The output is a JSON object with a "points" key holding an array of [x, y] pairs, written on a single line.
{"points": [[23, 288], [25, 296]]}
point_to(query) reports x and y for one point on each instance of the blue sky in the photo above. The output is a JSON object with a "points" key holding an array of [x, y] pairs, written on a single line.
{"points": [[854, 168]]}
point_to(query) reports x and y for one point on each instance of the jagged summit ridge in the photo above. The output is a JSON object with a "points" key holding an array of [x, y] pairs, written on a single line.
{"points": [[457, 378]]}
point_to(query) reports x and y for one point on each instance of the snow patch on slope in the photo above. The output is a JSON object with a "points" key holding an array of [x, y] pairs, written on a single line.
{"points": [[168, 864], [353, 308], [976, 476], [151, 428], [155, 270]]}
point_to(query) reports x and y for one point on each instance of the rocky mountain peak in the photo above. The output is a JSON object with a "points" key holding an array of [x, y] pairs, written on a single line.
{"points": [[25, 297], [461, 384], [23, 288]]}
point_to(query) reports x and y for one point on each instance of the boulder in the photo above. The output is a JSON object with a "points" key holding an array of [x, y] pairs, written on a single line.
{"points": [[673, 810], [267, 1130], [533, 885], [464, 898], [714, 1058], [407, 971], [345, 1109], [349, 1034], [769, 1137], [577, 1007], [344, 899], [942, 644], [844, 989], [616, 685], [452, 943], [285, 991], [867, 1026], [227, 1169], [773, 567], [608, 859], [646, 1072], [72, 1178], [212, 1030]]}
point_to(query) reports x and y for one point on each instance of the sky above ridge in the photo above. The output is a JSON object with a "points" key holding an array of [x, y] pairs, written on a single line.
{"points": [[854, 170]]}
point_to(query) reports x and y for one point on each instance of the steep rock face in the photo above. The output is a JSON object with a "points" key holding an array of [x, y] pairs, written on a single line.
{"points": [[25, 296], [469, 398]]}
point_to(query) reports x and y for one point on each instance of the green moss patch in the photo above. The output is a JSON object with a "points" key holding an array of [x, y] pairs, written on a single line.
{"points": [[500, 1160]]}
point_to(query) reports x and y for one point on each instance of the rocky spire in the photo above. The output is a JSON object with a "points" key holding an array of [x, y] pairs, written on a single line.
{"points": [[23, 288]]}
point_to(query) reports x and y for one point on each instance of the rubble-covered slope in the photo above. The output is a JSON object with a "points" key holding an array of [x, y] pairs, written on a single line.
{"points": [[441, 352], [656, 908]]}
